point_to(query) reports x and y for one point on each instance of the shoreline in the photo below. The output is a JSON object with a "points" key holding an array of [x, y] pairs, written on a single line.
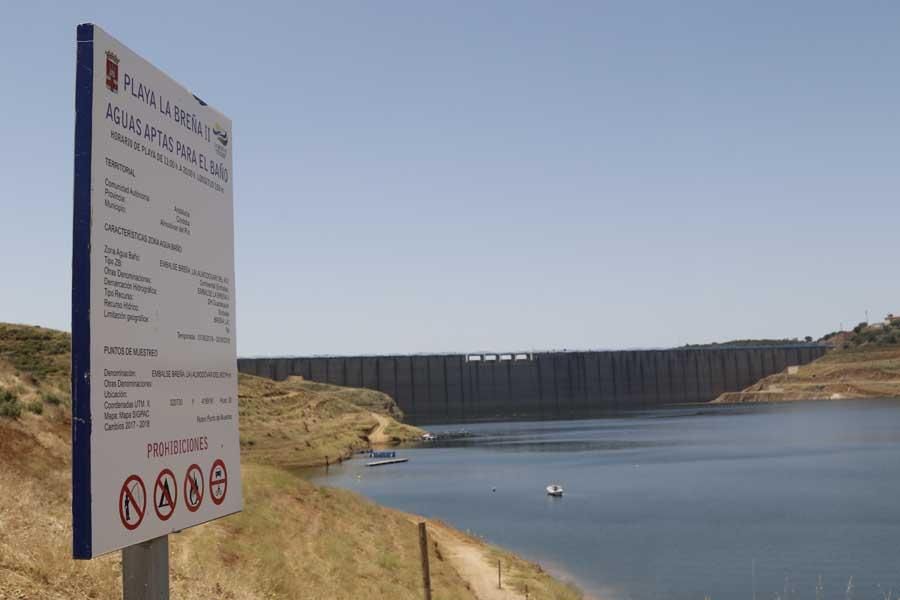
{"points": [[470, 556], [475, 561], [775, 397]]}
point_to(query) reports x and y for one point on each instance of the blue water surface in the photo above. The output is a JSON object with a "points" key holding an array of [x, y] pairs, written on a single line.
{"points": [[678, 503]]}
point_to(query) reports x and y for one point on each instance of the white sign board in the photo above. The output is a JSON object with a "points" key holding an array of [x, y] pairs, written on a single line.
{"points": [[154, 377]]}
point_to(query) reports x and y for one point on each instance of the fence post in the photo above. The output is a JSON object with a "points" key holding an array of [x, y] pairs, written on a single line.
{"points": [[499, 581], [426, 570]]}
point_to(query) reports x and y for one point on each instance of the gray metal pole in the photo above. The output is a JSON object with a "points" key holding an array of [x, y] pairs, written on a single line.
{"points": [[145, 570]]}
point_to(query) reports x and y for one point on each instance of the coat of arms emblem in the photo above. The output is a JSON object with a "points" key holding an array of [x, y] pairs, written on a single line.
{"points": [[112, 72]]}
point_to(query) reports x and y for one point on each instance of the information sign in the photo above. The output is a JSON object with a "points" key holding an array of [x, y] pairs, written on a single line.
{"points": [[154, 377]]}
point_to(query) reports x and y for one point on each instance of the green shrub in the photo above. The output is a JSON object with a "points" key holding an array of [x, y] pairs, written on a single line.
{"points": [[35, 406], [889, 338], [13, 410], [9, 405], [51, 399]]}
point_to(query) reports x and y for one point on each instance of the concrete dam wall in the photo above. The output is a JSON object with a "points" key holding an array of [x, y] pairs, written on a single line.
{"points": [[455, 388]]}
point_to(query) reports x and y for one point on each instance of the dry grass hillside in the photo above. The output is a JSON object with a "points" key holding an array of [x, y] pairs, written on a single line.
{"points": [[294, 540], [34, 368], [297, 423], [866, 371]]}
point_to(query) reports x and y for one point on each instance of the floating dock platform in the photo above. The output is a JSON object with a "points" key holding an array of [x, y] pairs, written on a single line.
{"points": [[391, 461]]}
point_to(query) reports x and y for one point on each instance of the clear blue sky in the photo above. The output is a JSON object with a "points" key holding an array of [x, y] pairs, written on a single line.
{"points": [[414, 177]]}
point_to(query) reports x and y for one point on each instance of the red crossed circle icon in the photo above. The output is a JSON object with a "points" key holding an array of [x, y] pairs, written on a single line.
{"points": [[165, 494], [193, 488], [218, 481], [132, 502]]}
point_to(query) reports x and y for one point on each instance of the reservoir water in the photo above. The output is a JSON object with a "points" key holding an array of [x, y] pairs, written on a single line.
{"points": [[784, 501]]}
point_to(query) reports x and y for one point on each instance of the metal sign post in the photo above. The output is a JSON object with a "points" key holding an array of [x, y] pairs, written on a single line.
{"points": [[145, 570]]}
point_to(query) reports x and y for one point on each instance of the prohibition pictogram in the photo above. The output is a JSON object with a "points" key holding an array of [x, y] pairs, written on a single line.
{"points": [[193, 488], [132, 502], [165, 494], [218, 481]]}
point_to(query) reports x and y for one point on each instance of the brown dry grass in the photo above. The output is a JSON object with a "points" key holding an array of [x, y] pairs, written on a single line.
{"points": [[296, 423], [293, 540]]}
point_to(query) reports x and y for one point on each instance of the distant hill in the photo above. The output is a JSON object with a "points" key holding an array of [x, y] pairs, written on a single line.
{"points": [[751, 343], [295, 423], [884, 334]]}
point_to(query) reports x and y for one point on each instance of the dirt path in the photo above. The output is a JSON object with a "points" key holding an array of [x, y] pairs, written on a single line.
{"points": [[472, 564], [378, 437]]}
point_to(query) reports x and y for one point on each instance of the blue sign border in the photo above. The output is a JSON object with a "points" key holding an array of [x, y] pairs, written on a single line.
{"points": [[81, 296]]}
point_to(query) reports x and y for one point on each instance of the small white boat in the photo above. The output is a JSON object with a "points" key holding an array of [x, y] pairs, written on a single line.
{"points": [[555, 490], [428, 437]]}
